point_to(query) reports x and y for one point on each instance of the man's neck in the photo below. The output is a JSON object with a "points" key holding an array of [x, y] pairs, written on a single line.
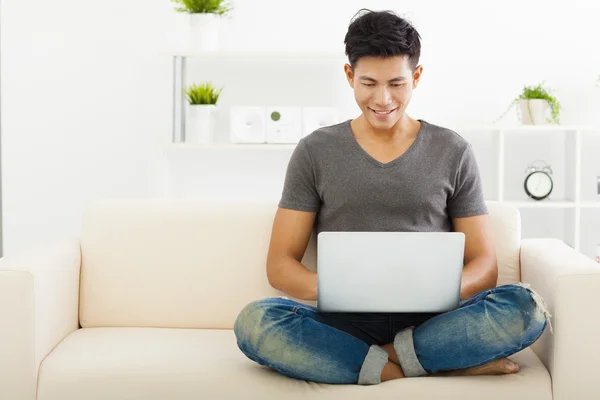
{"points": [[402, 130]]}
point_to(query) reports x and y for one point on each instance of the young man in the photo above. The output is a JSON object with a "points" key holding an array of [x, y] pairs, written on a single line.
{"points": [[385, 171]]}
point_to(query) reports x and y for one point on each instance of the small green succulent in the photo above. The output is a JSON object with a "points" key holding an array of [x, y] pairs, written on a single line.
{"points": [[219, 7], [203, 93]]}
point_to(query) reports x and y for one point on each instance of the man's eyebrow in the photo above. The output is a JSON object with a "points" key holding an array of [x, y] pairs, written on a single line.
{"points": [[368, 78]]}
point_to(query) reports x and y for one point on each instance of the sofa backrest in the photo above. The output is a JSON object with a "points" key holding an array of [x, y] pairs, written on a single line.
{"points": [[195, 264]]}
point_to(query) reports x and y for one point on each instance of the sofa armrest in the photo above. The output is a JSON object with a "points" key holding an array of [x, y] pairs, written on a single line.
{"points": [[569, 282], [39, 303]]}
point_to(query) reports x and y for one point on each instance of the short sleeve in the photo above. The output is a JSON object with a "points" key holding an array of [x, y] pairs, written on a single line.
{"points": [[299, 187], [467, 199]]}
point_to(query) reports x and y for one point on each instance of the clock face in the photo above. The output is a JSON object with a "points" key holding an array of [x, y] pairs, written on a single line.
{"points": [[538, 185]]}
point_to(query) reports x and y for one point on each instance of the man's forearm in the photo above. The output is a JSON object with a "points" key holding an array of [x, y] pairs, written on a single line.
{"points": [[295, 279], [478, 275]]}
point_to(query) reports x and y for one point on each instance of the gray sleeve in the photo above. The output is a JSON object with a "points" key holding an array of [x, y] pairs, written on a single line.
{"points": [[299, 187], [467, 199]]}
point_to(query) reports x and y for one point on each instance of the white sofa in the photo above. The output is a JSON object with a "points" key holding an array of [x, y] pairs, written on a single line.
{"points": [[141, 306]]}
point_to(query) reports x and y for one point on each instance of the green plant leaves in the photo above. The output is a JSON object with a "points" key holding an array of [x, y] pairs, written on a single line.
{"points": [[204, 93], [219, 7], [539, 92]]}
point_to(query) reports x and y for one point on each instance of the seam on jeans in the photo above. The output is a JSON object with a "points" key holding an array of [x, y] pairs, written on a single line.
{"points": [[539, 302], [469, 302], [301, 306]]}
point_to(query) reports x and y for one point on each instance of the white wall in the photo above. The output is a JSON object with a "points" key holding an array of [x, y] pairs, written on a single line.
{"points": [[86, 89]]}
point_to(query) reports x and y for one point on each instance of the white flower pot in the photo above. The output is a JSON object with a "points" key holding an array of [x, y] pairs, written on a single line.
{"points": [[534, 111], [204, 29], [200, 123]]}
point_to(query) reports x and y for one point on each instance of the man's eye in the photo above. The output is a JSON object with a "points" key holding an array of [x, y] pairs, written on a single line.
{"points": [[369, 84], [397, 84]]}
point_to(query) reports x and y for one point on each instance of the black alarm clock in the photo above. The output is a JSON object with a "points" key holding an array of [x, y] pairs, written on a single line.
{"points": [[538, 180]]}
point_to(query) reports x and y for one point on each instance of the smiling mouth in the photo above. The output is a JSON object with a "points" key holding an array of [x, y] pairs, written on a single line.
{"points": [[383, 112]]}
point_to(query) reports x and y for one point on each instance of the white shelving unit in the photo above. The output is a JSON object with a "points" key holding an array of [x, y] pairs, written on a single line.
{"points": [[571, 198], [180, 61]]}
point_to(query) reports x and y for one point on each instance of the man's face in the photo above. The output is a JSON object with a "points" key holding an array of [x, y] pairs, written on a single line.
{"points": [[383, 88]]}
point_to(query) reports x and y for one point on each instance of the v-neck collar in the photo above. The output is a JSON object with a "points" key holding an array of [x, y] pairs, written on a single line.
{"points": [[372, 159]]}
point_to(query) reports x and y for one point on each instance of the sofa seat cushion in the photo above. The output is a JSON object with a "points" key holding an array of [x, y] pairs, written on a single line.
{"points": [[161, 363]]}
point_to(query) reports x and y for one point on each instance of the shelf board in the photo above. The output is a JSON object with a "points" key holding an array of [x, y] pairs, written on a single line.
{"points": [[590, 204], [542, 204], [525, 128], [247, 54], [230, 146], [546, 128]]}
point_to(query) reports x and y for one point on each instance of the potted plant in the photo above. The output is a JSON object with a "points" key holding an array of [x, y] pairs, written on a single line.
{"points": [[204, 21], [201, 112], [534, 103]]}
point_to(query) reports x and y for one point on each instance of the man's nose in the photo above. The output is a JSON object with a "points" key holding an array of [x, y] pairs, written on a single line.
{"points": [[382, 97]]}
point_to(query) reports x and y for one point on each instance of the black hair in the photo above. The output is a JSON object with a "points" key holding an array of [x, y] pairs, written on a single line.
{"points": [[382, 34]]}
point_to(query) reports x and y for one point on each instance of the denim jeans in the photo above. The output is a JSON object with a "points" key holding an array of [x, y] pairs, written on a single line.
{"points": [[345, 348]]}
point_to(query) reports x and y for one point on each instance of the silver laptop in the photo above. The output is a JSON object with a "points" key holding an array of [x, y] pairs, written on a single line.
{"points": [[389, 271]]}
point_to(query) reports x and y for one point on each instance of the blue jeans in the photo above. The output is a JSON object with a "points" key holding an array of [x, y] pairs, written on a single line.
{"points": [[345, 348]]}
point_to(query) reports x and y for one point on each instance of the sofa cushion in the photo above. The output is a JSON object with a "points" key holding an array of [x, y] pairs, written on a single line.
{"points": [[193, 264], [176, 264], [155, 363]]}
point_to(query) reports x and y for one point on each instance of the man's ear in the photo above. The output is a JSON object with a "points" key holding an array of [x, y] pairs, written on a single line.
{"points": [[349, 72], [417, 75]]}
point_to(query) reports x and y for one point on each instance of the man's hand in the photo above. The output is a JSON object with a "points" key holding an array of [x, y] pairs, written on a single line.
{"points": [[481, 269]]}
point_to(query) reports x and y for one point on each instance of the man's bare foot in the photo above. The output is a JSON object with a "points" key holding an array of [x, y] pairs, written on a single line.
{"points": [[502, 366], [391, 371], [393, 357]]}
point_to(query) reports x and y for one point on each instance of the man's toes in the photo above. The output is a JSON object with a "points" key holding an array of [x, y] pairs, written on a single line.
{"points": [[510, 366]]}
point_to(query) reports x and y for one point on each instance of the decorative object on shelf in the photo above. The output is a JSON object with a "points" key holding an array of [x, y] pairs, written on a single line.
{"points": [[538, 181], [205, 18], [201, 112], [533, 105], [598, 188], [314, 118], [284, 124], [248, 124], [598, 253]]}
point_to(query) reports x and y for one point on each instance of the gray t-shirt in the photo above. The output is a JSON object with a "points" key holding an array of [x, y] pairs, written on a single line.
{"points": [[435, 180]]}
